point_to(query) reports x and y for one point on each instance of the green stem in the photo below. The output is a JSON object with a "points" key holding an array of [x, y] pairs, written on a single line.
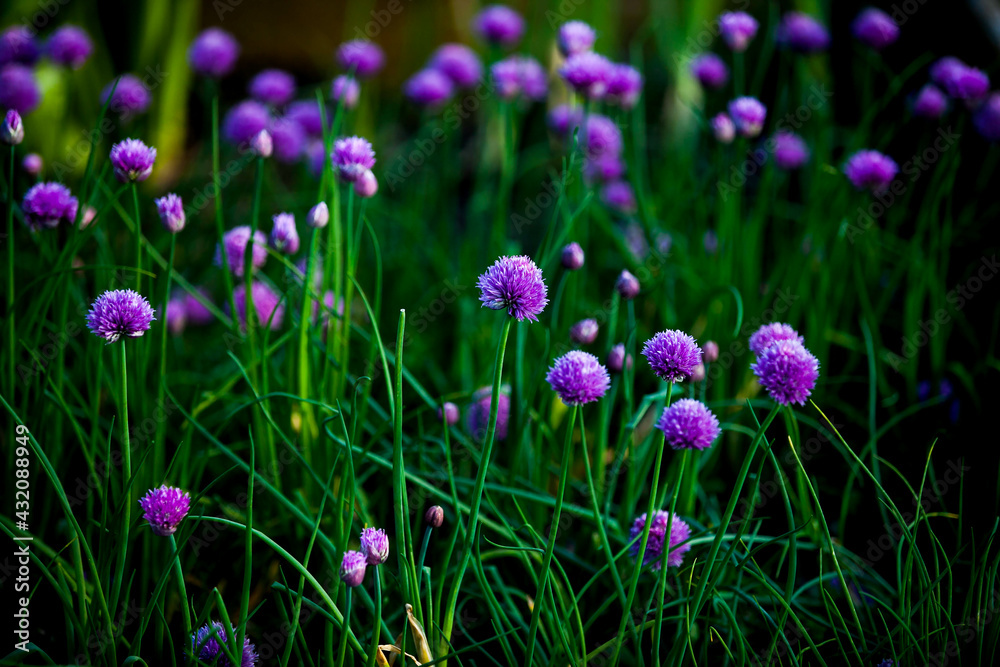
{"points": [[378, 618], [658, 626], [342, 644], [138, 239], [11, 334], [309, 428], [182, 591], [126, 476], [219, 225], [404, 553], [159, 460]]}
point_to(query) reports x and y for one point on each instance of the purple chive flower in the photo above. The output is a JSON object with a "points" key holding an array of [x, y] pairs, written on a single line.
{"points": [[588, 73], [514, 284], [284, 235], [520, 75], [132, 160], [572, 256], [164, 509], [235, 243], [448, 412], [737, 29], [801, 32], [18, 45], [175, 316], [946, 69], [130, 96], [18, 88], [32, 164], [267, 304], [319, 216], [315, 156], [478, 415], [45, 205], [288, 139], [119, 313], [195, 311], [627, 285], [375, 545], [987, 118], [308, 115], [360, 57], [578, 378], [930, 102], [769, 334], [871, 170], [434, 516], [262, 144], [367, 185], [498, 24], [213, 53], [679, 532], [723, 128], [584, 332], [672, 355], [618, 360], [710, 71], [69, 46], [345, 90], [575, 37], [352, 156], [689, 424], [967, 83], [624, 86], [459, 63], [875, 28], [352, 568], [506, 77], [429, 88], [244, 121], [748, 115], [563, 118], [606, 167], [790, 150], [272, 86], [12, 130], [602, 137], [207, 642], [699, 373], [788, 371], [710, 351], [171, 210], [618, 196]]}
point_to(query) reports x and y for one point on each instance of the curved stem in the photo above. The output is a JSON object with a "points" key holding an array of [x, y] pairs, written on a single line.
{"points": [[342, 645]]}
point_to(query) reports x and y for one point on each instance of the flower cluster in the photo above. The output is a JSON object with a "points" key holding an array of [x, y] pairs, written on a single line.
{"points": [[784, 367]]}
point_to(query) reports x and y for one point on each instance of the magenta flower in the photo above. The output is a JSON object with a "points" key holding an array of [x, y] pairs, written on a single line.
{"points": [[449, 413], [572, 256], [584, 332], [319, 216], [710, 71], [575, 37], [930, 102], [288, 139], [966, 83], [367, 185], [769, 334], [352, 156], [710, 351], [69, 46], [588, 74], [987, 118], [801, 32], [619, 196], [689, 424], [244, 121], [624, 86], [875, 28], [171, 210], [478, 415], [32, 164], [459, 63], [284, 235], [235, 243], [267, 305], [578, 378], [788, 371], [213, 53], [498, 24], [119, 313], [748, 115], [352, 568], [132, 160], [627, 285], [871, 170], [618, 360], [561, 119], [672, 355], [18, 88], [207, 642], [272, 86], [164, 509], [12, 130], [18, 45], [723, 129], [602, 136], [737, 29], [262, 144], [130, 96], [375, 545], [790, 150], [195, 311], [657, 542], [429, 88], [514, 284], [605, 167], [346, 90], [308, 115], [175, 316], [519, 75], [361, 58]]}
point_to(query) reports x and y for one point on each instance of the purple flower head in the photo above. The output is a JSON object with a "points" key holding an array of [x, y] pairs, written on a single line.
{"points": [[519, 75], [788, 371], [130, 96], [672, 355], [360, 57], [45, 205], [352, 156], [213, 53], [448, 412], [132, 160], [319, 216], [272, 86], [871, 170], [875, 28], [308, 115], [710, 351], [967, 83], [195, 311], [32, 164], [584, 332], [262, 144], [171, 210], [606, 167], [267, 305], [930, 102], [175, 316], [514, 284], [459, 63], [801, 32], [572, 256], [987, 118], [288, 139], [578, 378], [790, 150], [699, 373], [434, 516], [602, 136], [769, 334], [119, 313], [619, 196], [618, 360], [284, 235], [588, 73], [627, 285], [244, 121], [563, 118], [679, 532], [164, 509], [710, 71], [478, 415], [499, 24], [352, 568], [575, 37], [18, 88], [375, 545], [346, 90], [207, 642], [12, 130], [235, 243], [69, 46], [18, 45], [689, 424], [316, 156], [737, 29], [946, 69], [367, 185], [748, 115], [429, 88], [723, 128], [624, 86]]}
